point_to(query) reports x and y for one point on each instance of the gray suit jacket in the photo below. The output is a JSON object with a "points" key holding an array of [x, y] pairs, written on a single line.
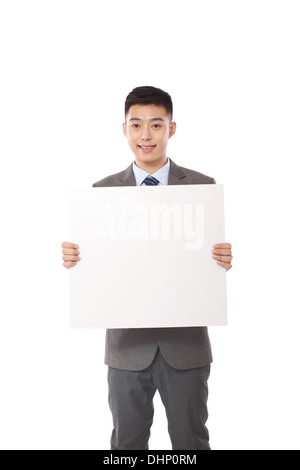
{"points": [[134, 349]]}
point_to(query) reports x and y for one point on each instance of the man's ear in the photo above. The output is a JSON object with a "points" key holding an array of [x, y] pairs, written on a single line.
{"points": [[124, 129], [172, 129]]}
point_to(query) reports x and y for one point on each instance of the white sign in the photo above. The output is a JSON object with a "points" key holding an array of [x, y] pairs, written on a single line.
{"points": [[146, 257]]}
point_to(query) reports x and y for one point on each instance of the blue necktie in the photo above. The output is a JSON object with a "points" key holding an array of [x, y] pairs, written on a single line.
{"points": [[150, 181]]}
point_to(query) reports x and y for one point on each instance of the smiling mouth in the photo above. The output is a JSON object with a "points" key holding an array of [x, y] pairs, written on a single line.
{"points": [[146, 146]]}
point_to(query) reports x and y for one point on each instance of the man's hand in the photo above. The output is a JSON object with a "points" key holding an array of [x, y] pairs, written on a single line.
{"points": [[222, 253], [70, 254]]}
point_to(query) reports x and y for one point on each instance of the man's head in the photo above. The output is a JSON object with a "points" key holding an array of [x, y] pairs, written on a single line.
{"points": [[144, 95], [148, 125]]}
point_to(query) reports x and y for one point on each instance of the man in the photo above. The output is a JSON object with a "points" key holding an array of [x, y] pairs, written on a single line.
{"points": [[174, 361]]}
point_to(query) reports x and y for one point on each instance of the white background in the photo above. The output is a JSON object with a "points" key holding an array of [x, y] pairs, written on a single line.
{"points": [[232, 69]]}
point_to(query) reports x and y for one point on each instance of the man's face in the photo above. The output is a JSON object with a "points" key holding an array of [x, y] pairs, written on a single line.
{"points": [[148, 129]]}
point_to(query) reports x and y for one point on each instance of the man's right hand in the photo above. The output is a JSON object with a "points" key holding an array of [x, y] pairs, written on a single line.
{"points": [[70, 254]]}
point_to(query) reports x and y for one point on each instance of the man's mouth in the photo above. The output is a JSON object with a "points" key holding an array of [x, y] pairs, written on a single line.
{"points": [[146, 148]]}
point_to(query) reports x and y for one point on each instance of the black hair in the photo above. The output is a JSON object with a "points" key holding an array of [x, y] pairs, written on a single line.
{"points": [[149, 95]]}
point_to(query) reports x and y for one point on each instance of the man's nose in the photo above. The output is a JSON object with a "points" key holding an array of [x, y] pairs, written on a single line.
{"points": [[146, 135]]}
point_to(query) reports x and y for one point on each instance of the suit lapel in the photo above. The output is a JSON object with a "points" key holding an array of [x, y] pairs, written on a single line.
{"points": [[176, 175], [127, 177]]}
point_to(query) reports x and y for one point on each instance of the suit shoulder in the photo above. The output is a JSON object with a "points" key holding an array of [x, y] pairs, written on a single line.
{"points": [[111, 180], [195, 177]]}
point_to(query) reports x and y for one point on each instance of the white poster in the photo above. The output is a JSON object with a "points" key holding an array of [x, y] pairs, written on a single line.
{"points": [[146, 257]]}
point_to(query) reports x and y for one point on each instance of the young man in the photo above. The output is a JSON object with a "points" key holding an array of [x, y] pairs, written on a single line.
{"points": [[174, 361]]}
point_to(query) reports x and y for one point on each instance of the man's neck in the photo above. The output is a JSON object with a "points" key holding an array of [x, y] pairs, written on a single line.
{"points": [[151, 167]]}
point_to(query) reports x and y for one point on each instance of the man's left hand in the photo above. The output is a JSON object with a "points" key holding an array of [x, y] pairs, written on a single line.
{"points": [[222, 254]]}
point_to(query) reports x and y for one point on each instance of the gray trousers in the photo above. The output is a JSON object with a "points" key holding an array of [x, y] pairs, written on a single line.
{"points": [[183, 392]]}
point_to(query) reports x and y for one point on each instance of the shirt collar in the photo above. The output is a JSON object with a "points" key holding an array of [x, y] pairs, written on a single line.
{"points": [[162, 175]]}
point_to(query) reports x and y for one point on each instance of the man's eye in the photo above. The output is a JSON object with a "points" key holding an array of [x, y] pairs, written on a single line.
{"points": [[156, 126], [135, 125]]}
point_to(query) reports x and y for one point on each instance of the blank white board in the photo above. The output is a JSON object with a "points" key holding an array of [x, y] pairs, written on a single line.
{"points": [[146, 256]]}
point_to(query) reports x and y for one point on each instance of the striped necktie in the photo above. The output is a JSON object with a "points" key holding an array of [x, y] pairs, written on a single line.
{"points": [[150, 181]]}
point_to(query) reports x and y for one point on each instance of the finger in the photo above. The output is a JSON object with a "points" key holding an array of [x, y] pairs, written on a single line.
{"points": [[69, 264], [69, 251], [227, 266], [222, 245], [221, 251], [71, 258], [69, 245], [225, 259]]}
